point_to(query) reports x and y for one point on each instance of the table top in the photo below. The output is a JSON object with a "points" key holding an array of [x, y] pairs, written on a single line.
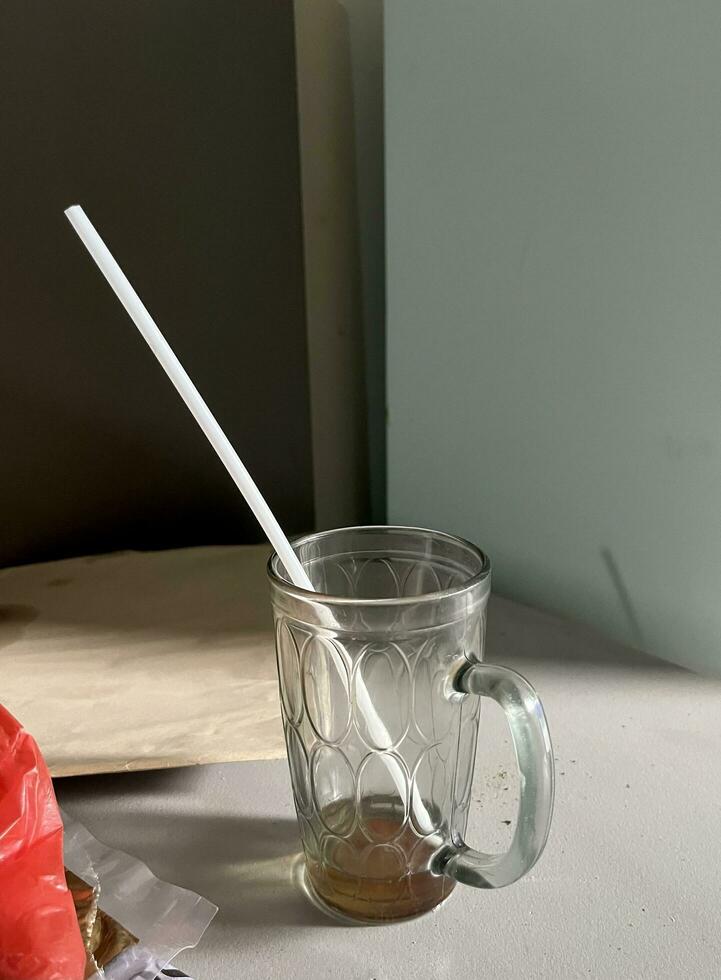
{"points": [[628, 885]]}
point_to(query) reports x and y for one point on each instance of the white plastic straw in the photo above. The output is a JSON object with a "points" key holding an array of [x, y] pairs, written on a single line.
{"points": [[232, 462], [187, 391]]}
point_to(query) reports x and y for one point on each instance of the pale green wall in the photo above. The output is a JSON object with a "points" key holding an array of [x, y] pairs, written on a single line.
{"points": [[554, 301]]}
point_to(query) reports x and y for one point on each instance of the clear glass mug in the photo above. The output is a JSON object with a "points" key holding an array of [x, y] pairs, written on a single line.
{"points": [[381, 678]]}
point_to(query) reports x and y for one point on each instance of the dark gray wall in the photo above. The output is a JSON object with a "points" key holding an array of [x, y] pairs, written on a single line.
{"points": [[365, 30], [339, 406], [174, 124]]}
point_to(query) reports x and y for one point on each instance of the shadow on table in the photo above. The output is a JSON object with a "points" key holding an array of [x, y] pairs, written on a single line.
{"points": [[249, 866]]}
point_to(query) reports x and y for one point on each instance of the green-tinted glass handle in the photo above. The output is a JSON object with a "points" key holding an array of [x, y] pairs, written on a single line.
{"points": [[534, 755]]}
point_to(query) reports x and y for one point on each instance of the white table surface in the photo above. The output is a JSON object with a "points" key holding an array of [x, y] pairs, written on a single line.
{"points": [[629, 885]]}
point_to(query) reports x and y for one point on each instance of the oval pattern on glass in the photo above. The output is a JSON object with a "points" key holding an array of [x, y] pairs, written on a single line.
{"points": [[289, 671], [337, 578], [377, 579], [386, 863], [340, 855], [333, 786], [430, 792], [421, 579], [326, 688], [298, 763], [382, 696], [310, 841], [345, 863], [433, 711], [384, 795]]}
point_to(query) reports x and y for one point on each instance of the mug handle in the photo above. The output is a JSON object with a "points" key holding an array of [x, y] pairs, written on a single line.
{"points": [[534, 755]]}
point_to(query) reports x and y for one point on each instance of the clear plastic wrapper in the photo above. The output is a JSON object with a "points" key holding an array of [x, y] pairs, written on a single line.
{"points": [[132, 923]]}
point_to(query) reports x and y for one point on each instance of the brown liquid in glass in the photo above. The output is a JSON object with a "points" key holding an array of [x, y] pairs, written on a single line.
{"points": [[378, 880]]}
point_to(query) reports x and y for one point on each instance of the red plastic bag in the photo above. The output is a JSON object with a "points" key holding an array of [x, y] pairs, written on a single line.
{"points": [[39, 933]]}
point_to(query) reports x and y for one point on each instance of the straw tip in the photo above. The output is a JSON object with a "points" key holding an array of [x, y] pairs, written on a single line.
{"points": [[73, 208]]}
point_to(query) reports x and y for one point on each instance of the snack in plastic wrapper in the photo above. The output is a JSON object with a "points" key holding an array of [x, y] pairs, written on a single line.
{"points": [[132, 923]]}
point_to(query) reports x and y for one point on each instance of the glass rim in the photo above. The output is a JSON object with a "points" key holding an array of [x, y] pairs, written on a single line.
{"points": [[327, 599]]}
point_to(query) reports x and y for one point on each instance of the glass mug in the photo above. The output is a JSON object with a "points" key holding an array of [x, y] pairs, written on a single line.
{"points": [[381, 678]]}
